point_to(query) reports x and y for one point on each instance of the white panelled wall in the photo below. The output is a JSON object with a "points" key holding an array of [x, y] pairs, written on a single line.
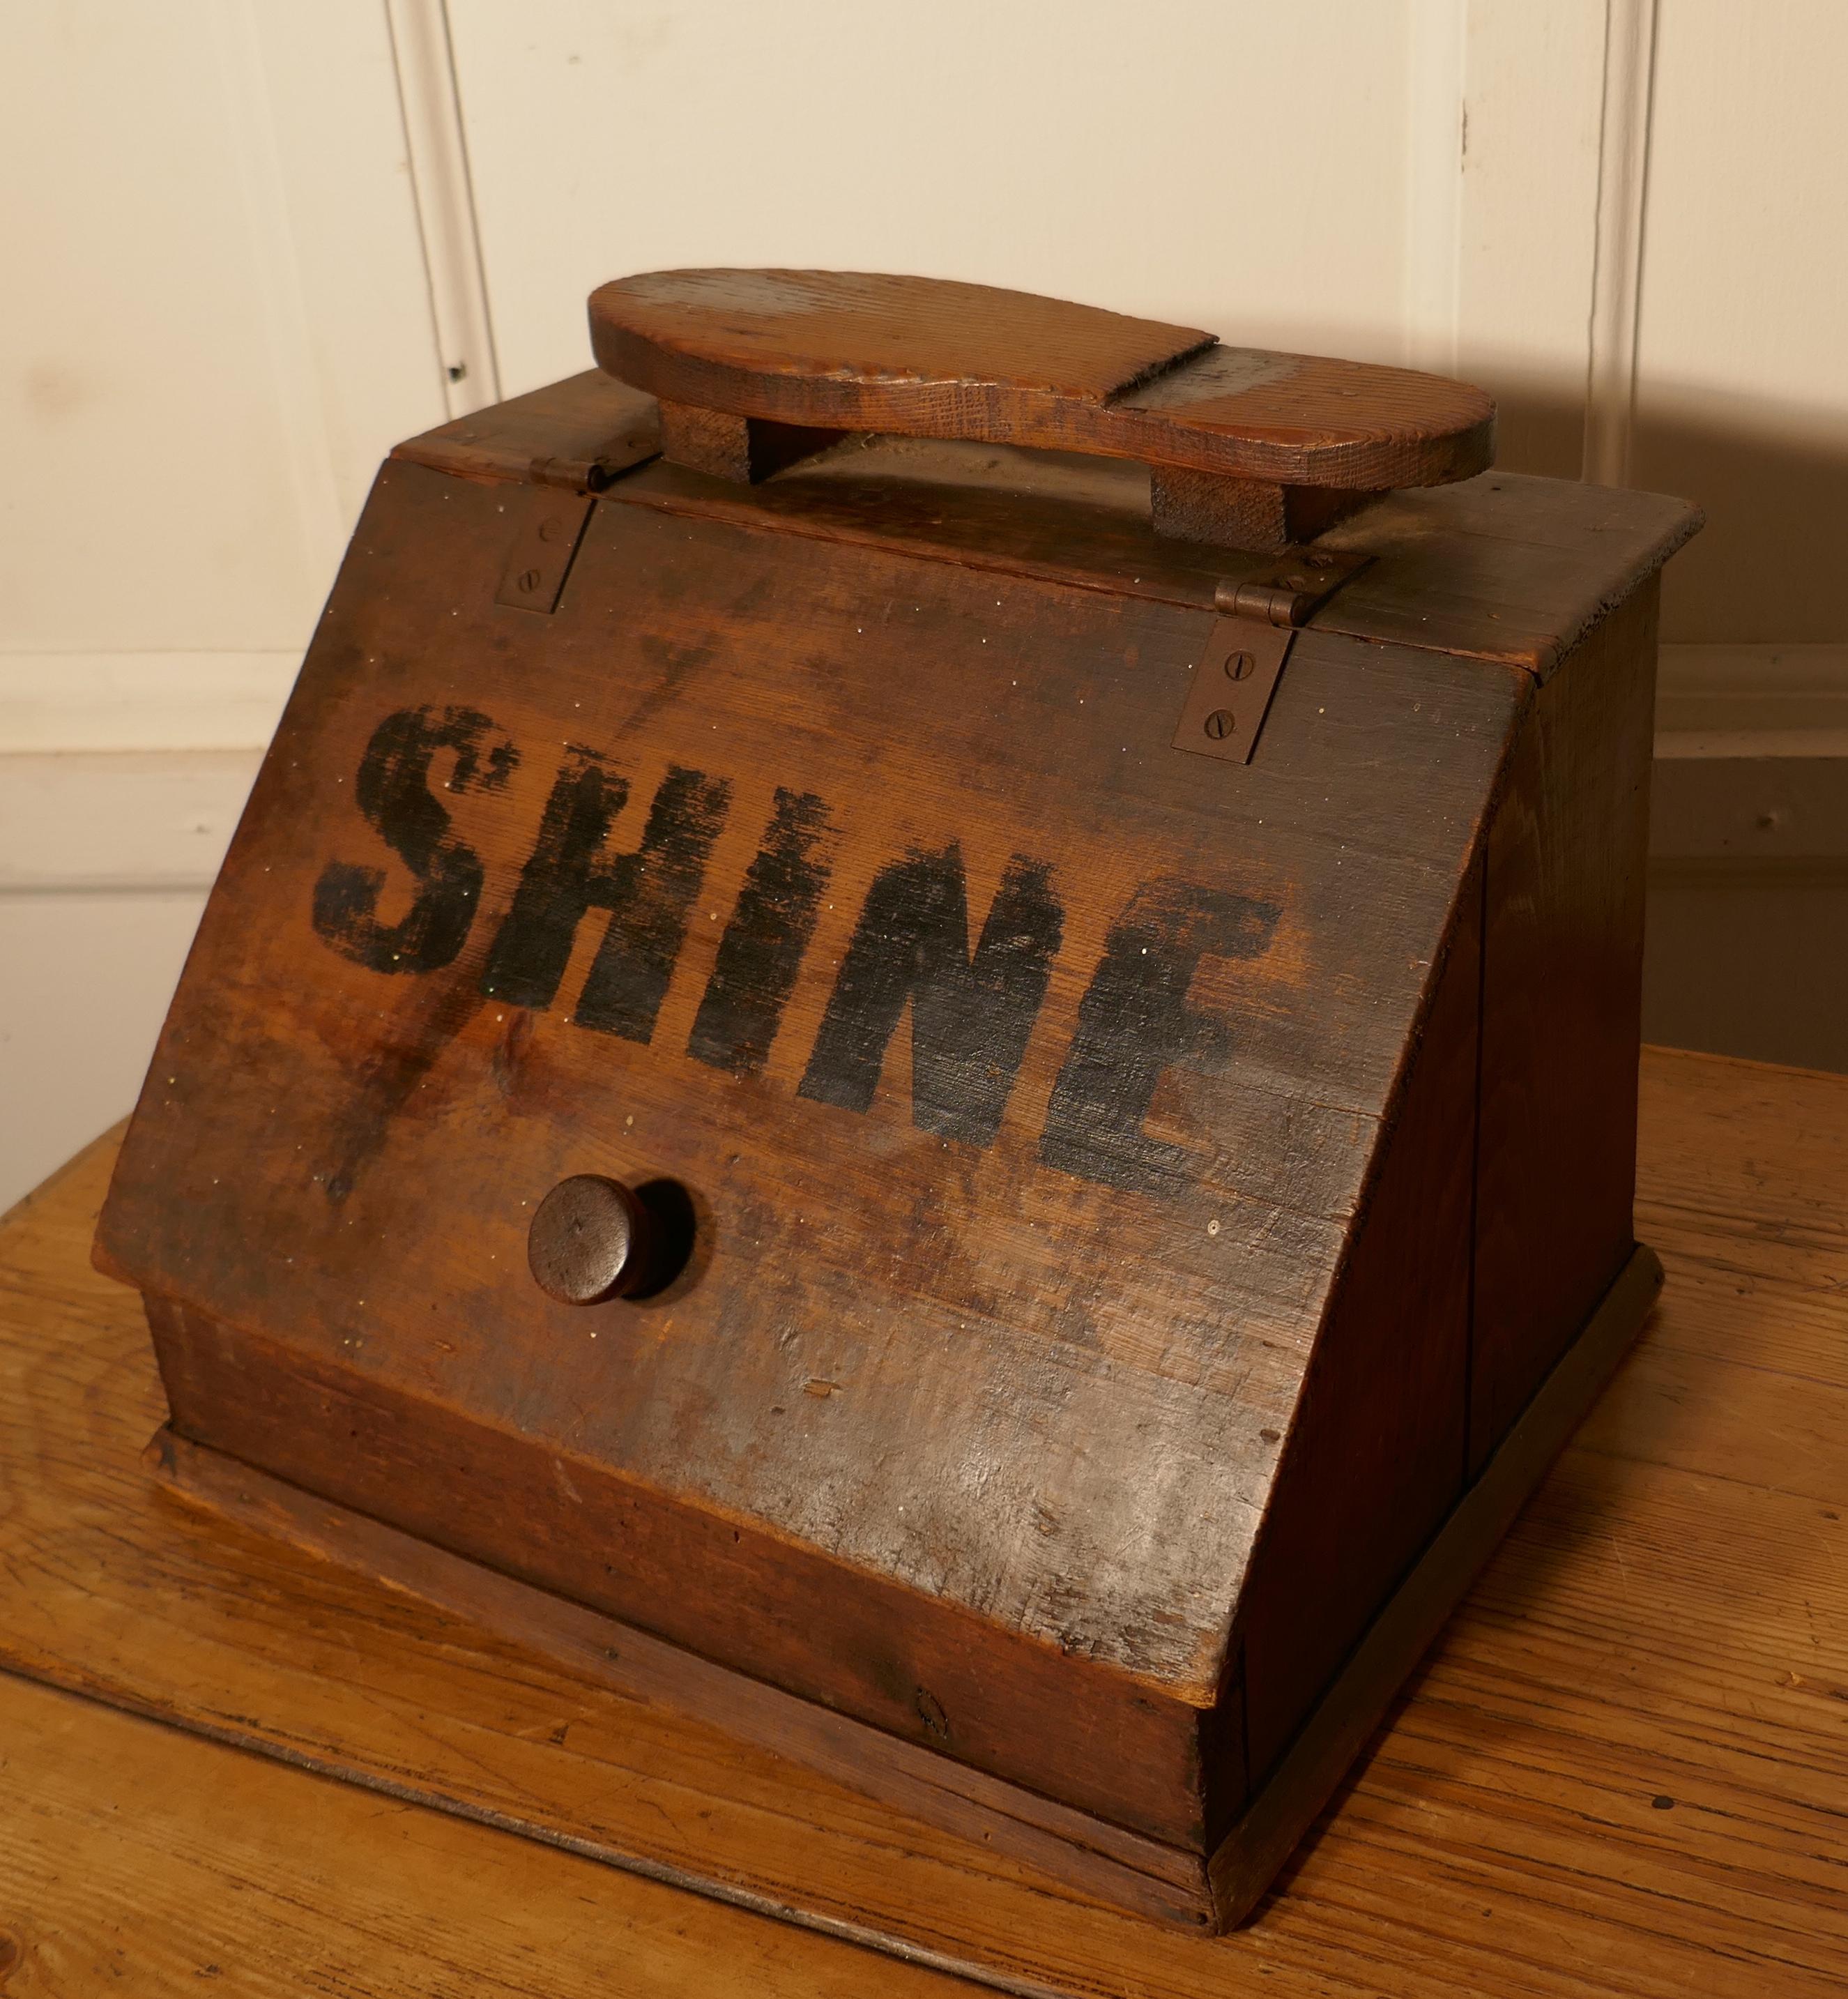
{"points": [[251, 243]]}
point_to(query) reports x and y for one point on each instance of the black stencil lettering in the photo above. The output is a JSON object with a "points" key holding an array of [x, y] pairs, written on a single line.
{"points": [[762, 949], [970, 1017], [647, 893], [562, 879], [628, 977], [393, 790], [1134, 1022]]}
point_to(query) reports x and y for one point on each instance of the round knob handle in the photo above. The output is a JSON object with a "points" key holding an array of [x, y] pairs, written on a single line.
{"points": [[592, 1239]]}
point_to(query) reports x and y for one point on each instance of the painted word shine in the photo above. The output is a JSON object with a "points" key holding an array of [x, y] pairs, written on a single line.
{"points": [[972, 1009]]}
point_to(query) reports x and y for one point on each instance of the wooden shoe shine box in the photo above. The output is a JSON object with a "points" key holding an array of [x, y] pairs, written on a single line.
{"points": [[938, 994]]}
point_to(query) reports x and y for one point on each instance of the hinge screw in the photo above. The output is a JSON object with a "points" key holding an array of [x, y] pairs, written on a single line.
{"points": [[1219, 724], [529, 580], [1239, 665]]}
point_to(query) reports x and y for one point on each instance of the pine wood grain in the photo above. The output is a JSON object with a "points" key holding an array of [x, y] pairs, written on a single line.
{"points": [[139, 1861], [1623, 1771], [920, 357]]}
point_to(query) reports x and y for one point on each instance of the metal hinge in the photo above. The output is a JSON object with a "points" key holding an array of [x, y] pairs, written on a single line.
{"points": [[1231, 692], [550, 525]]}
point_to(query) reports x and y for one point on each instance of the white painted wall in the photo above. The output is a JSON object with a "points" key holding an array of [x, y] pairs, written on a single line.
{"points": [[1117, 155], [217, 320], [250, 243]]}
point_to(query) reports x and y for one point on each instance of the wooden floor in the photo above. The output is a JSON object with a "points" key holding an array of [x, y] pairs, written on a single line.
{"points": [[1623, 1770]]}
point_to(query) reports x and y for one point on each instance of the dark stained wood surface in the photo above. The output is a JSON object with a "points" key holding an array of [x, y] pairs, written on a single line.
{"points": [[1243, 513], [922, 357], [1322, 1749], [1504, 567], [1368, 1477], [1501, 566], [919, 1350], [579, 433], [1621, 1771], [1069, 1848], [1562, 1011], [867, 332], [1018, 1082]]}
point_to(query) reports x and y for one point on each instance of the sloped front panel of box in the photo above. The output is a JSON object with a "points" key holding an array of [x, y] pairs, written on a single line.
{"points": [[1023, 1071]]}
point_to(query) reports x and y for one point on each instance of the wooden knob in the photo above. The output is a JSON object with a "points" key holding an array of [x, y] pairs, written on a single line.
{"points": [[592, 1239]]}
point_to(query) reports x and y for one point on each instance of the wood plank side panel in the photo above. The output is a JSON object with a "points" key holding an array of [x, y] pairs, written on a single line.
{"points": [[1311, 1771], [1562, 1014], [1374, 1457]]}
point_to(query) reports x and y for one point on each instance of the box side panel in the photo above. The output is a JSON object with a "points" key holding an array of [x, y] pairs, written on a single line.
{"points": [[1561, 1013], [1374, 1460]]}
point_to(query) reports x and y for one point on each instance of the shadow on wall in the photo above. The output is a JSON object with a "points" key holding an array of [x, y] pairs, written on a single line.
{"points": [[1773, 480], [1775, 485], [1747, 950]]}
